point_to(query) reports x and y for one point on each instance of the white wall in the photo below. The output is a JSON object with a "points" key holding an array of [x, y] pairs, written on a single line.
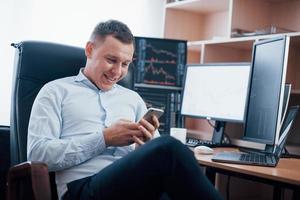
{"points": [[67, 22]]}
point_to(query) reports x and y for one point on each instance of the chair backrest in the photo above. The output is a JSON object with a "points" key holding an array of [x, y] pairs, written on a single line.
{"points": [[37, 63]]}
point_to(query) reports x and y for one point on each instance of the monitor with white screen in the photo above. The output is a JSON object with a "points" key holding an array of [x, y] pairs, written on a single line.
{"points": [[264, 109], [216, 91]]}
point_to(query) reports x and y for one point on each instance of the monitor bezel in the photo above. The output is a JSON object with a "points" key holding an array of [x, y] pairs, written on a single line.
{"points": [[283, 78], [222, 64], [160, 39]]}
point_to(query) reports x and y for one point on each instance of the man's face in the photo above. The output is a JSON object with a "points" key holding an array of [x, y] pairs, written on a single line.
{"points": [[107, 61]]}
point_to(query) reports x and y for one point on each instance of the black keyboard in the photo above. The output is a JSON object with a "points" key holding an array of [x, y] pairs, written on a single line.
{"points": [[193, 142], [260, 159], [252, 157]]}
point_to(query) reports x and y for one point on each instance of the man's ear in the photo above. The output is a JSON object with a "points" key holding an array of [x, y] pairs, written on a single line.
{"points": [[88, 49]]}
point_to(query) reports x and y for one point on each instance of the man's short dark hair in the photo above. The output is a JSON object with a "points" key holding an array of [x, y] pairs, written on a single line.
{"points": [[114, 28]]}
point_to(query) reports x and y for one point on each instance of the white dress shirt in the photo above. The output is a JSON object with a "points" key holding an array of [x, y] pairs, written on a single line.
{"points": [[66, 124]]}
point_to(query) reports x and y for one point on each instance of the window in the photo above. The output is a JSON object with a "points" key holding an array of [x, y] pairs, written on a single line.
{"points": [[66, 22]]}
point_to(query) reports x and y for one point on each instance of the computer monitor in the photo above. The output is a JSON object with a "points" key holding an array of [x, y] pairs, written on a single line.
{"points": [[216, 91], [264, 109], [159, 61]]}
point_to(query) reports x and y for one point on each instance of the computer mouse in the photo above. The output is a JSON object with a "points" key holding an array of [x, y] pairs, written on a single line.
{"points": [[203, 150]]}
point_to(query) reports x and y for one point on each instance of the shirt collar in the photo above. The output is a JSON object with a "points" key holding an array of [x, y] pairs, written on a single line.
{"points": [[82, 78]]}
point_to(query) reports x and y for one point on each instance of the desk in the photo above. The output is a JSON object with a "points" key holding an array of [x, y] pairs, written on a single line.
{"points": [[285, 174]]}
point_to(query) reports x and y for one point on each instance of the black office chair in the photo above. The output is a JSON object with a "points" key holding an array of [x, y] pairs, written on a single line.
{"points": [[37, 63]]}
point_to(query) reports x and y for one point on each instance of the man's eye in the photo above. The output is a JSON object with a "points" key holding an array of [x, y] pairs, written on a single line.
{"points": [[125, 64], [110, 60]]}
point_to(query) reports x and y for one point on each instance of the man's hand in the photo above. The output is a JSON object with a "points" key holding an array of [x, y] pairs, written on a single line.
{"points": [[147, 129], [122, 133]]}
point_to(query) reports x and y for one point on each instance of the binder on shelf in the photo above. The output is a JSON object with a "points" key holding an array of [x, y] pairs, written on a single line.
{"points": [[286, 98], [287, 123]]}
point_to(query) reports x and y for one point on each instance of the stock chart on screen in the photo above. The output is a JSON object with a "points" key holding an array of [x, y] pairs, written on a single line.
{"points": [[159, 61], [167, 100]]}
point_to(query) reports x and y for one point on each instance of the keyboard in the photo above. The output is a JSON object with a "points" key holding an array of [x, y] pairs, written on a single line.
{"points": [[193, 142], [251, 157], [269, 160], [257, 158]]}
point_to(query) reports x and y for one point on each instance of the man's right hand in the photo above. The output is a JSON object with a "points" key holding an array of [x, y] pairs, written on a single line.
{"points": [[121, 133]]}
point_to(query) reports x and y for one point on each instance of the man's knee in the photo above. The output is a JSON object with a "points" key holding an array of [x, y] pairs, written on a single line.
{"points": [[169, 144], [169, 141]]}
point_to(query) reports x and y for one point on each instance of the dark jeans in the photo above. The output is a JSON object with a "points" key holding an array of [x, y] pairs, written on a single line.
{"points": [[163, 165]]}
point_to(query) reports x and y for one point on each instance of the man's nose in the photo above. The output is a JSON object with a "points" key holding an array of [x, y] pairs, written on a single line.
{"points": [[117, 68]]}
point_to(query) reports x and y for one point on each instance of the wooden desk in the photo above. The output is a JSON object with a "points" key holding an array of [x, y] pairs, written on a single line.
{"points": [[285, 174]]}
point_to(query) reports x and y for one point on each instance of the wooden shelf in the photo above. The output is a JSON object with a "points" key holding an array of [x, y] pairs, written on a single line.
{"points": [[197, 19], [253, 15], [207, 25], [243, 39], [199, 6], [240, 43], [295, 91]]}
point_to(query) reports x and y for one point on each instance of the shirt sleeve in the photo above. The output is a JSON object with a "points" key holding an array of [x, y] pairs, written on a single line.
{"points": [[45, 143]]}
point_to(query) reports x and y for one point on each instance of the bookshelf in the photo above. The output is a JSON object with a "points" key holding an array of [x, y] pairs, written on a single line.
{"points": [[211, 28], [225, 30]]}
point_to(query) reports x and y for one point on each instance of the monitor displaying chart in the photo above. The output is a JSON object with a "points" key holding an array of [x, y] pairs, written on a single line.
{"points": [[159, 61]]}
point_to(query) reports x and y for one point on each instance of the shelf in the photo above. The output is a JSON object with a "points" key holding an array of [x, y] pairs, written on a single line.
{"points": [[242, 43], [239, 41], [258, 15], [295, 91], [207, 25], [199, 6], [197, 20]]}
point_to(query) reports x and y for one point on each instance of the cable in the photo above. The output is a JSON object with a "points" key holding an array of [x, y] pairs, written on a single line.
{"points": [[226, 137], [209, 122], [286, 151]]}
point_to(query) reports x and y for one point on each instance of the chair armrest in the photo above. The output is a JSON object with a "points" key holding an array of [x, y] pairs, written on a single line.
{"points": [[28, 180]]}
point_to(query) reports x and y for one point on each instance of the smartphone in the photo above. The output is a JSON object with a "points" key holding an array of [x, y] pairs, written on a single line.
{"points": [[153, 111]]}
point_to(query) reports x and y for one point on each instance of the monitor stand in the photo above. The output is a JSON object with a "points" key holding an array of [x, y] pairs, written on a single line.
{"points": [[218, 132]]}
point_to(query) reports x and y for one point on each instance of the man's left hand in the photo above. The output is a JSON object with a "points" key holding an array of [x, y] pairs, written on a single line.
{"points": [[148, 130]]}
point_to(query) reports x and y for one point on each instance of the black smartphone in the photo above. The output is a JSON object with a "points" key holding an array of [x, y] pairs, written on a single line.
{"points": [[153, 111]]}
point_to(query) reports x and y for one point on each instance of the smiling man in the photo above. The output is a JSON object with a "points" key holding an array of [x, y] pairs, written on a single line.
{"points": [[84, 127], [107, 60]]}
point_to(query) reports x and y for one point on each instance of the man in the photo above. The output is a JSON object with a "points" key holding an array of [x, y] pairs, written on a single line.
{"points": [[82, 125]]}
